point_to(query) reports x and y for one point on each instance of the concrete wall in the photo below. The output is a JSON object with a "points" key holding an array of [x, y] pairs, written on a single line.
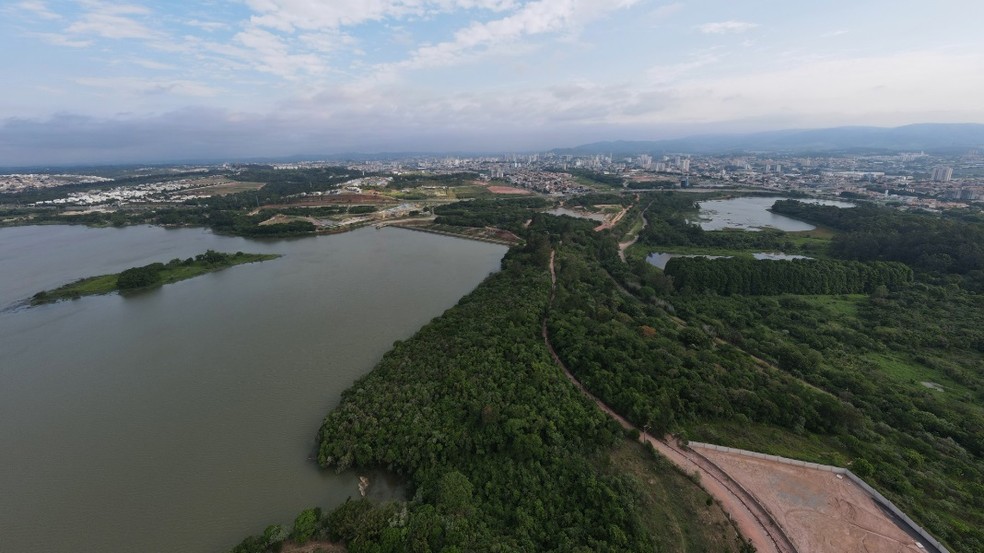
{"points": [[927, 540]]}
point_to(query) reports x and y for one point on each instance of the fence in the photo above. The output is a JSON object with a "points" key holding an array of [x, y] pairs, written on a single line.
{"points": [[878, 497]]}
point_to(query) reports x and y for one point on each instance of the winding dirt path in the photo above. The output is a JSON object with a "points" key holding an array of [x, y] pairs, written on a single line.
{"points": [[622, 246], [752, 519]]}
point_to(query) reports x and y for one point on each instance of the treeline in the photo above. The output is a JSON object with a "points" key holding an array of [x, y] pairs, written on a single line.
{"points": [[510, 214], [739, 275], [934, 244]]}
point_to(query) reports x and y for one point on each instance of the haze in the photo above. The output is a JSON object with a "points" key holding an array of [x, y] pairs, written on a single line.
{"points": [[105, 82]]}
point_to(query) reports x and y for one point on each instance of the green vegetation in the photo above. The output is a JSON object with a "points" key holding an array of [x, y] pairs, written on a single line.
{"points": [[903, 364], [738, 275], [494, 441], [417, 180], [148, 276], [595, 179], [502, 454], [946, 247], [510, 214]]}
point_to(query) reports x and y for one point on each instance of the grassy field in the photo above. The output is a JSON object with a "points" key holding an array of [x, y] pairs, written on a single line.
{"points": [[469, 192], [225, 187], [678, 514], [772, 440], [843, 305]]}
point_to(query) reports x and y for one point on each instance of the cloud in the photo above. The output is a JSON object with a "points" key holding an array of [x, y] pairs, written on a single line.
{"points": [[113, 22], [59, 39], [671, 73], [665, 12], [272, 54], [288, 15], [152, 64], [534, 18], [39, 9], [209, 26], [722, 27], [148, 87], [882, 90]]}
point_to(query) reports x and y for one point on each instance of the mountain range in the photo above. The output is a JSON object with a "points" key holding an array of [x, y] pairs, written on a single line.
{"points": [[929, 137]]}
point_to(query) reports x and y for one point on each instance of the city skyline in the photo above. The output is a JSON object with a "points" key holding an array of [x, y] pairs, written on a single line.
{"points": [[103, 82]]}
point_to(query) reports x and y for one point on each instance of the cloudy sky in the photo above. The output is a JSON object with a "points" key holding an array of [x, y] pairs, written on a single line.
{"points": [[91, 81]]}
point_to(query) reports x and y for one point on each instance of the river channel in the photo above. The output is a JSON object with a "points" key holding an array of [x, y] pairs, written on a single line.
{"points": [[182, 419]]}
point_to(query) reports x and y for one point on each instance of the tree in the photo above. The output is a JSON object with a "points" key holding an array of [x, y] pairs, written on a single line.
{"points": [[140, 277], [305, 525]]}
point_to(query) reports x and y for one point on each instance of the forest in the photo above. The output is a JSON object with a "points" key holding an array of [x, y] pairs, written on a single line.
{"points": [[766, 277], [946, 247], [509, 214], [904, 361], [500, 452], [878, 370]]}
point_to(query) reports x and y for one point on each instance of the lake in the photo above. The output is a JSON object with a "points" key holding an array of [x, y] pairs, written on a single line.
{"points": [[579, 213], [752, 213], [660, 259], [183, 418]]}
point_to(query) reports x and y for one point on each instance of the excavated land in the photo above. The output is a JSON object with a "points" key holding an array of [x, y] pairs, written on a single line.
{"points": [[818, 510]]}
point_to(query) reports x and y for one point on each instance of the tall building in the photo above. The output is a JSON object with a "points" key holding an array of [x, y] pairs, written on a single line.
{"points": [[684, 165], [942, 174]]}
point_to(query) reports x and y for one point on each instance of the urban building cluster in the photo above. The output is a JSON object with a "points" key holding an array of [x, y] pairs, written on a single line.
{"points": [[21, 182], [918, 179]]}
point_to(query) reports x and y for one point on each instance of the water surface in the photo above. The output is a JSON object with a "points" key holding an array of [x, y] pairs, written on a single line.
{"points": [[660, 259], [182, 419], [579, 213], [752, 213]]}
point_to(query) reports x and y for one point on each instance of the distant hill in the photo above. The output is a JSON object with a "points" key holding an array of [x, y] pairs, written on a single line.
{"points": [[927, 137]]}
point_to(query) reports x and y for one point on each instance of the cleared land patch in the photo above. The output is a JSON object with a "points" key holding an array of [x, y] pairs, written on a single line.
{"points": [[509, 190], [223, 187], [820, 511]]}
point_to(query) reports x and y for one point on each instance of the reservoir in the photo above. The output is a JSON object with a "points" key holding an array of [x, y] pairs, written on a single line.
{"points": [[660, 259], [579, 213], [182, 419], [752, 213]]}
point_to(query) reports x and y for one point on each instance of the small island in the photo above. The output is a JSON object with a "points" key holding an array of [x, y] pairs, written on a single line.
{"points": [[149, 276]]}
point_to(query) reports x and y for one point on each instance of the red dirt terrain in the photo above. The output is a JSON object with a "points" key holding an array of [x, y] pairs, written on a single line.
{"points": [[819, 510]]}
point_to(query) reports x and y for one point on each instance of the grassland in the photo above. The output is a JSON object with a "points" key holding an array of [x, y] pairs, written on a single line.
{"points": [[679, 515]]}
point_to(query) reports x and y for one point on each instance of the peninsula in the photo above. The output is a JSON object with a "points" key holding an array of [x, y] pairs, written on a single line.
{"points": [[148, 276]]}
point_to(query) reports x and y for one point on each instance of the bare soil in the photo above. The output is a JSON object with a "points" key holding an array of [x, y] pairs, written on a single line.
{"points": [[509, 190], [817, 510]]}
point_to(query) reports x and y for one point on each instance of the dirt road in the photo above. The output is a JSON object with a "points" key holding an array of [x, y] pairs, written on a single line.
{"points": [[752, 519]]}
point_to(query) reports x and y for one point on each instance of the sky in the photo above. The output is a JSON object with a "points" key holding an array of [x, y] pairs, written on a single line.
{"points": [[92, 81]]}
